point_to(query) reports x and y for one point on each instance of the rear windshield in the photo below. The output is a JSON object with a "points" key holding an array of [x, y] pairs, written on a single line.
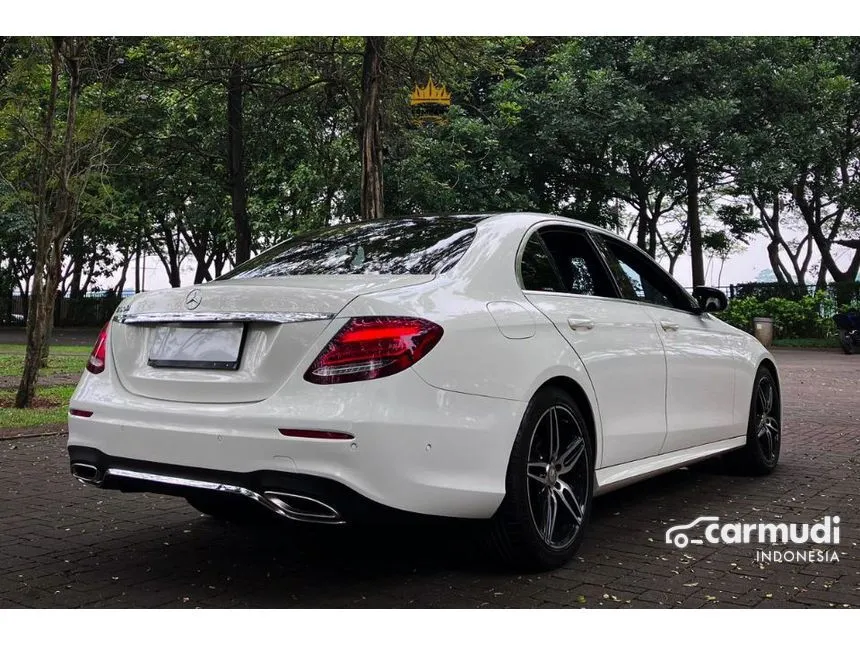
{"points": [[425, 245]]}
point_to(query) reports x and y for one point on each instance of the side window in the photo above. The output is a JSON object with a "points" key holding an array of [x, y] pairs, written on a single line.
{"points": [[536, 268], [581, 270], [642, 279]]}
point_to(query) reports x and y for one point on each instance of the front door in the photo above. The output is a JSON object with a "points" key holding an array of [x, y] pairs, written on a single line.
{"points": [[700, 361]]}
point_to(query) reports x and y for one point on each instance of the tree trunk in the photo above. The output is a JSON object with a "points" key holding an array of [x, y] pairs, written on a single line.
{"points": [[236, 162], [811, 212], [77, 260], [55, 211], [642, 227], [120, 285], [370, 130], [782, 276], [821, 282], [691, 172]]}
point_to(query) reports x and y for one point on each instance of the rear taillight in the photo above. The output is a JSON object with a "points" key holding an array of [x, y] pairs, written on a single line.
{"points": [[369, 348], [96, 362]]}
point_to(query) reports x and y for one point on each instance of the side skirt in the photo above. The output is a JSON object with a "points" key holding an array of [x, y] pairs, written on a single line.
{"points": [[613, 477]]}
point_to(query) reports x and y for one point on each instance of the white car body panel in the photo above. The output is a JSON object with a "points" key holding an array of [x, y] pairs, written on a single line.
{"points": [[700, 367], [435, 438], [627, 382]]}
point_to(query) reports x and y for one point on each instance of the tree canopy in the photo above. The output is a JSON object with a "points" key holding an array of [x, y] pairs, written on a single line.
{"points": [[215, 148]]}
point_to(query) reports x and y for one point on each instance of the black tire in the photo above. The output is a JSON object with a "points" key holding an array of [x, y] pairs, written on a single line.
{"points": [[518, 529], [229, 508], [760, 455]]}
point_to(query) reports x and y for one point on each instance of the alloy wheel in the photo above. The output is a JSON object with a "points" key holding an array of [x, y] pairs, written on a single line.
{"points": [[767, 418], [558, 477]]}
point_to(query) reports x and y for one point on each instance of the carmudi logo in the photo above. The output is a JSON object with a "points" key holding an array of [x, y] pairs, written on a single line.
{"points": [[816, 537]]}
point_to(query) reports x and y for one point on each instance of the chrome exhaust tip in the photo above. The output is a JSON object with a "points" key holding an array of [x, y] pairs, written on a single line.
{"points": [[86, 473], [302, 508]]}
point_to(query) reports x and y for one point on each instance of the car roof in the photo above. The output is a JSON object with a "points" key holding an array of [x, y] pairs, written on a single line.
{"points": [[510, 219], [526, 217]]}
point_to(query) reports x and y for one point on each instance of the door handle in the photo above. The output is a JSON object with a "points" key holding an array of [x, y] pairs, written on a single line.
{"points": [[582, 324], [668, 325]]}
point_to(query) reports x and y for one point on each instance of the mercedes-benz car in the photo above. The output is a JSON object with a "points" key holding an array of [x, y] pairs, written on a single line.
{"points": [[499, 367]]}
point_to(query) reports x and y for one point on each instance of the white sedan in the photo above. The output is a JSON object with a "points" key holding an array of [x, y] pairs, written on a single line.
{"points": [[505, 367]]}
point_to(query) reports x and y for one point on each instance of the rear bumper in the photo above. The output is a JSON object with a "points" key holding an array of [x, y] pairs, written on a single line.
{"points": [[293, 496], [415, 448]]}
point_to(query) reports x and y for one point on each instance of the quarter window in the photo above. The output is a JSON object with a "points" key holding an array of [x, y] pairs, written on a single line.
{"points": [[537, 269]]}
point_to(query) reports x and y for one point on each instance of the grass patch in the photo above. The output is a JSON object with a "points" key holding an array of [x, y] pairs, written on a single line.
{"points": [[58, 363], [50, 406], [31, 418], [805, 342]]}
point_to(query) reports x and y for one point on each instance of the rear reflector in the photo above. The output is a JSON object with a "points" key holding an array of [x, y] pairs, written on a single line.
{"points": [[372, 347], [80, 413], [315, 434]]}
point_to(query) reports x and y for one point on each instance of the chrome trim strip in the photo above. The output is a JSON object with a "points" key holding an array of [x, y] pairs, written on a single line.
{"points": [[270, 317], [278, 509]]}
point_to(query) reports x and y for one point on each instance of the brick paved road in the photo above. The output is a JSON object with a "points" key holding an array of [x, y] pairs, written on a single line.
{"points": [[66, 545]]}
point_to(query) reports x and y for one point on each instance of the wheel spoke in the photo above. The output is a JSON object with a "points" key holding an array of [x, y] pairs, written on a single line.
{"points": [[550, 516], [565, 493], [553, 434], [766, 397], [768, 434], [537, 471], [568, 459]]}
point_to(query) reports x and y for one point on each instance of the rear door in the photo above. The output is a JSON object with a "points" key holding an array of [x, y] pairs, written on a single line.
{"points": [[563, 276], [700, 360]]}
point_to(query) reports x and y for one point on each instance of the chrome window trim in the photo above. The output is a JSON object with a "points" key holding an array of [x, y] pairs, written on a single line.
{"points": [[533, 292], [269, 317]]}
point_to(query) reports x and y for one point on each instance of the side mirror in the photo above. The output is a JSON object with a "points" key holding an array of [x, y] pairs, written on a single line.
{"points": [[710, 299]]}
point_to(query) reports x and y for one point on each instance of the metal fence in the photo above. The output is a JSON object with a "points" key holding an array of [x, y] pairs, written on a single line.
{"points": [[91, 310]]}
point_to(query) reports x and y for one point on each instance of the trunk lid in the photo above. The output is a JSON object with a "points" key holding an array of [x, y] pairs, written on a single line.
{"points": [[279, 320]]}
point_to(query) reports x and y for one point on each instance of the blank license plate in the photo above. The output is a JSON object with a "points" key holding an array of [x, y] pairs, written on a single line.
{"points": [[214, 347]]}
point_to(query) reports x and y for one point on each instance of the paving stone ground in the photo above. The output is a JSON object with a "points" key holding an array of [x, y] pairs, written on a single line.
{"points": [[63, 544]]}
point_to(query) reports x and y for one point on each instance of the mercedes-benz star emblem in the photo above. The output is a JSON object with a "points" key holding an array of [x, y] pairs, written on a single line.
{"points": [[193, 299]]}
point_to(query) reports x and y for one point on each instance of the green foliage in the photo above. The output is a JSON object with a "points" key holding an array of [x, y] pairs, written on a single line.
{"points": [[808, 317], [592, 128]]}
